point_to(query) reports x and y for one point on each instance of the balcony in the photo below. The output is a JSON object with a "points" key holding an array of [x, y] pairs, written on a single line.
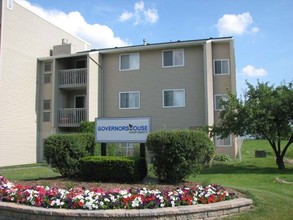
{"points": [[71, 117], [72, 78]]}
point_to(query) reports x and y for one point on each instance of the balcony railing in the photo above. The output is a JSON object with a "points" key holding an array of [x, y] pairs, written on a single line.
{"points": [[72, 77], [71, 117]]}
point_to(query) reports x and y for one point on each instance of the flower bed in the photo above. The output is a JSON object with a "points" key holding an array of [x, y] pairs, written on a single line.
{"points": [[96, 198]]}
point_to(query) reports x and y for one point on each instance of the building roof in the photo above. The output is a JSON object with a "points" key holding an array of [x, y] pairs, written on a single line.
{"points": [[163, 45]]}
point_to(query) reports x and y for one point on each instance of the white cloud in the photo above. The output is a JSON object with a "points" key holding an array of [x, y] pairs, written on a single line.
{"points": [[140, 14], [139, 6], [125, 16], [151, 15], [252, 71], [232, 24], [99, 36]]}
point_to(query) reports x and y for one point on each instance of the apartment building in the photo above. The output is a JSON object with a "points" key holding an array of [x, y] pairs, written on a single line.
{"points": [[50, 84], [178, 84], [24, 36]]}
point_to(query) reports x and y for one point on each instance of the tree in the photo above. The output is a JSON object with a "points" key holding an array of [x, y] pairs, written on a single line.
{"points": [[266, 111]]}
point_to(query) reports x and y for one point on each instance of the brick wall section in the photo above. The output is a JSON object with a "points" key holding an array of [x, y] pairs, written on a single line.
{"points": [[11, 211]]}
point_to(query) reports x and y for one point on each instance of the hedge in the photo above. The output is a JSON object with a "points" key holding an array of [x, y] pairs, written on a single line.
{"points": [[113, 168]]}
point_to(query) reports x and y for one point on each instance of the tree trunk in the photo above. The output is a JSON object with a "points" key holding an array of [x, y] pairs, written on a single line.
{"points": [[280, 162]]}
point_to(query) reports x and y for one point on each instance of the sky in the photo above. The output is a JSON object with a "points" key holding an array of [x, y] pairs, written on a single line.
{"points": [[262, 29]]}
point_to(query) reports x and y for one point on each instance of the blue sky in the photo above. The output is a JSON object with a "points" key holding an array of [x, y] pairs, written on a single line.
{"points": [[262, 29]]}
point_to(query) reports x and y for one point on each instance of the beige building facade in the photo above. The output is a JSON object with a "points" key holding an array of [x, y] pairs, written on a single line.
{"points": [[50, 84], [178, 84], [24, 36]]}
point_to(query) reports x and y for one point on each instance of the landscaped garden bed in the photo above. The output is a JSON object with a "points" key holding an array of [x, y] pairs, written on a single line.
{"points": [[98, 198]]}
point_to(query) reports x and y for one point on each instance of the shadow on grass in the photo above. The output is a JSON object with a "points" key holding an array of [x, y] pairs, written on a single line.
{"points": [[226, 168]]}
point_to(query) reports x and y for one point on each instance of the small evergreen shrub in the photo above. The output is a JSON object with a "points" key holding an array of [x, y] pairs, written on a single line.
{"points": [[87, 127], [113, 168], [63, 151], [178, 154], [222, 157]]}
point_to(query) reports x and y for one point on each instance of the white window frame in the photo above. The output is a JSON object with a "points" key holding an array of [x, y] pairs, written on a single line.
{"points": [[46, 116], [46, 105], [174, 106], [173, 58], [10, 4], [47, 78], [222, 96], [129, 92], [130, 55], [217, 139], [221, 73], [48, 63]]}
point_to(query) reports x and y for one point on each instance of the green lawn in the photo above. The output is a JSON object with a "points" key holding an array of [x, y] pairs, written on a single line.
{"points": [[252, 176], [255, 177]]}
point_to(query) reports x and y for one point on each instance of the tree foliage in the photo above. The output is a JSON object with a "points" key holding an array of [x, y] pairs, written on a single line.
{"points": [[266, 112]]}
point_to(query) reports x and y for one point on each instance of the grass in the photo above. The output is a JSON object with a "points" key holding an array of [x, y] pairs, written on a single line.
{"points": [[28, 172], [252, 176], [255, 177]]}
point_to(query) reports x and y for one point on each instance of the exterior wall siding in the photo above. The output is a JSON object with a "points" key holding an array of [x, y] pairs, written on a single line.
{"points": [[24, 38], [150, 80]]}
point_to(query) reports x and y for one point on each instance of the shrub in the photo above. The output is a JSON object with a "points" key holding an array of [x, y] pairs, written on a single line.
{"points": [[178, 154], [63, 151], [87, 127], [110, 168], [222, 157]]}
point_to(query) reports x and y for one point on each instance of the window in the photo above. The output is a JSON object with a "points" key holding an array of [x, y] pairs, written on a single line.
{"points": [[173, 98], [47, 104], [221, 67], [129, 62], [218, 102], [10, 4], [46, 116], [47, 78], [48, 67], [129, 100], [173, 58], [226, 142]]}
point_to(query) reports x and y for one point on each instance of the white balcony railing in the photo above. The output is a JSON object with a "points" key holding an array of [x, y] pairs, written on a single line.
{"points": [[72, 77], [71, 117]]}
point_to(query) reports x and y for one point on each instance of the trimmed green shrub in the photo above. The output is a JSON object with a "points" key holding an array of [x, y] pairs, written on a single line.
{"points": [[222, 157], [63, 151], [87, 127], [113, 168], [178, 154]]}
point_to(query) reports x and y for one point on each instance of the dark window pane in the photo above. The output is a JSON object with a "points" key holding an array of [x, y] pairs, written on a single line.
{"points": [[168, 58], [124, 62], [124, 100], [48, 67], [168, 98], [47, 78], [218, 67]]}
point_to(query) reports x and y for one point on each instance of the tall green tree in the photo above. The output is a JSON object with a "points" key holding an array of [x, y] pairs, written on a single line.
{"points": [[266, 112]]}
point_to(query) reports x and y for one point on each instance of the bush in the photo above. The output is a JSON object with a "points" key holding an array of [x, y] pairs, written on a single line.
{"points": [[178, 154], [87, 127], [110, 168], [63, 151], [222, 157]]}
